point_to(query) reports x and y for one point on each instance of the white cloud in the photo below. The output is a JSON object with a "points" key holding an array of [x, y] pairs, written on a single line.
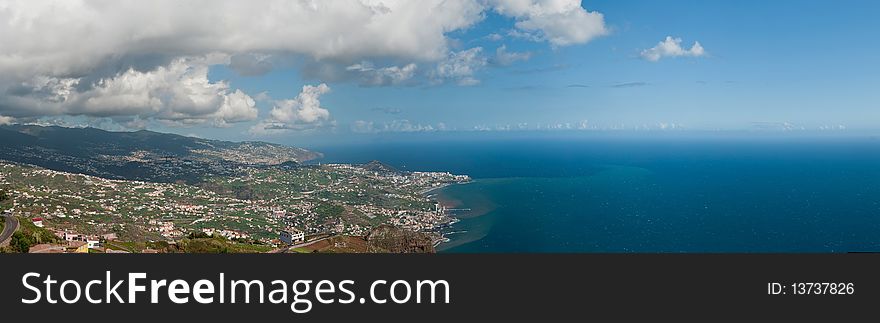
{"points": [[504, 58], [263, 96], [460, 67], [4, 120], [401, 125], [494, 37], [178, 93], [671, 47], [391, 75], [149, 60], [123, 58], [361, 126], [525, 35], [305, 108], [300, 113], [135, 124], [237, 107], [560, 22], [38, 37]]}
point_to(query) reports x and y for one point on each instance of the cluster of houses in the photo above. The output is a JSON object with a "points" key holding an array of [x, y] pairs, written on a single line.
{"points": [[228, 234], [73, 242], [165, 228]]}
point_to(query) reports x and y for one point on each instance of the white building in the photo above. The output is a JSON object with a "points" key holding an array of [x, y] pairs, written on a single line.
{"points": [[67, 236], [292, 235], [93, 243]]}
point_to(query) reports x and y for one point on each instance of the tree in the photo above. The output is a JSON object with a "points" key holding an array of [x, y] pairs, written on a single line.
{"points": [[3, 195], [20, 242], [198, 235]]}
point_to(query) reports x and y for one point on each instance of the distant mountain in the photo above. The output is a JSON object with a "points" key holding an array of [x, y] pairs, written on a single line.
{"points": [[140, 155]]}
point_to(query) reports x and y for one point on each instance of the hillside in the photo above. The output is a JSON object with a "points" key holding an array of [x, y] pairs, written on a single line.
{"points": [[140, 155], [380, 167]]}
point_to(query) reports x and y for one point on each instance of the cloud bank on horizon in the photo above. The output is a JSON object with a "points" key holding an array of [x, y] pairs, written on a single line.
{"points": [[142, 61]]}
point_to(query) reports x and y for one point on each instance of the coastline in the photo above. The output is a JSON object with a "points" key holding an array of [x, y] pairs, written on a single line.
{"points": [[428, 191], [450, 220]]}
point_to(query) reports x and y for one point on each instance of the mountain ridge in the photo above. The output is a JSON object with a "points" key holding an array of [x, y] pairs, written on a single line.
{"points": [[138, 155]]}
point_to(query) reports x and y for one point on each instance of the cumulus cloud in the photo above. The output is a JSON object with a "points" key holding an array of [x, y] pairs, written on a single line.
{"points": [[401, 125], [391, 75], [671, 47], [177, 93], [180, 92], [149, 60], [505, 58], [302, 112], [89, 32], [560, 22], [305, 108], [137, 58], [263, 96], [460, 67]]}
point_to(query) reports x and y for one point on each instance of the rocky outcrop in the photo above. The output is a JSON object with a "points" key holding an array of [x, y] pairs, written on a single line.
{"points": [[389, 239]]}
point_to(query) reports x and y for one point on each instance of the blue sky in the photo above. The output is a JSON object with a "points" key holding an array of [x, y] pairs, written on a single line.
{"points": [[809, 63], [766, 65]]}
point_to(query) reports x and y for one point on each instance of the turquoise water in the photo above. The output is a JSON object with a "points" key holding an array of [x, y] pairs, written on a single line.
{"points": [[652, 195]]}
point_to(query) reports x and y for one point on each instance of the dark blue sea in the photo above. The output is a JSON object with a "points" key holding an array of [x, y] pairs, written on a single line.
{"points": [[647, 193]]}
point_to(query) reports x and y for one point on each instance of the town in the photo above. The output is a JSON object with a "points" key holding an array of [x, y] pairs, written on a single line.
{"points": [[257, 208]]}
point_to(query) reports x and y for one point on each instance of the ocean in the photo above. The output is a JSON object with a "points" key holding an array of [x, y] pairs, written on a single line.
{"points": [[645, 193]]}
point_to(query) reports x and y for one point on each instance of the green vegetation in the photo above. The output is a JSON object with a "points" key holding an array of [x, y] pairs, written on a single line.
{"points": [[5, 200], [198, 235], [20, 243], [195, 242], [327, 211], [244, 207], [152, 190], [142, 155], [218, 244], [29, 235], [133, 247]]}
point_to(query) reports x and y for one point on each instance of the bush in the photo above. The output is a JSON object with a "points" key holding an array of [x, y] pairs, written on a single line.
{"points": [[30, 235], [20, 242], [198, 235], [203, 246]]}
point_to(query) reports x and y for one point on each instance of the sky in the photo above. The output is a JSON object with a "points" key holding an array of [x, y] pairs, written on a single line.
{"points": [[285, 71]]}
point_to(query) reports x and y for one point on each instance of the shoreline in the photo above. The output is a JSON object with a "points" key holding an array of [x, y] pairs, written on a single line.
{"points": [[451, 220], [428, 191]]}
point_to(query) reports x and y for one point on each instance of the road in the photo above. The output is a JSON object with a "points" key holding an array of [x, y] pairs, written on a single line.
{"points": [[8, 230]]}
